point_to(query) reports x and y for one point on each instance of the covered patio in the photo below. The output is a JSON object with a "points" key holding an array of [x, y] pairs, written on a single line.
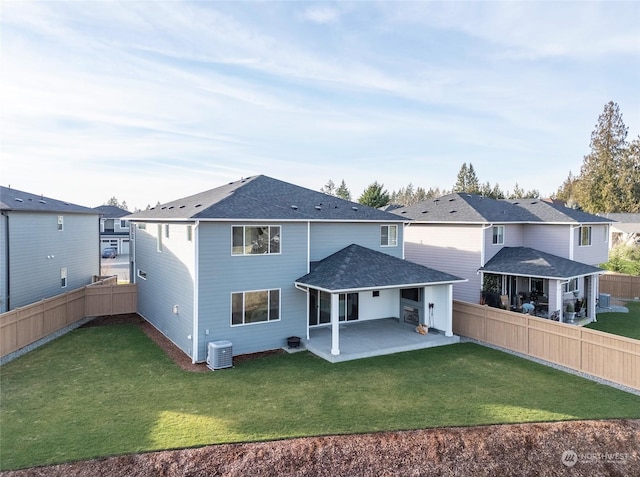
{"points": [[373, 338], [555, 287], [363, 302]]}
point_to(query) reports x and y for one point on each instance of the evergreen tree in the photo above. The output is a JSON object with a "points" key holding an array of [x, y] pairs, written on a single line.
{"points": [[599, 188], [467, 180], [343, 192], [329, 188], [374, 196], [630, 178]]}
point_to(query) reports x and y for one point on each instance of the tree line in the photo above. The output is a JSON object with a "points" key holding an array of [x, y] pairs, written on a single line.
{"points": [[609, 179]]}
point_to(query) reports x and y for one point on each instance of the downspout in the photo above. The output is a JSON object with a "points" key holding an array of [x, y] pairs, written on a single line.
{"points": [[308, 270], [8, 279], [482, 254], [196, 289]]}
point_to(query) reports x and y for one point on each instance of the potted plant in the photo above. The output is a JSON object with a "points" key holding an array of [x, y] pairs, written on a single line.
{"points": [[570, 313]]}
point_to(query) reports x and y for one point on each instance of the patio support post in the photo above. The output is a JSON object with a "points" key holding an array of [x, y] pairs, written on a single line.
{"points": [[593, 281], [335, 324], [449, 315], [560, 301]]}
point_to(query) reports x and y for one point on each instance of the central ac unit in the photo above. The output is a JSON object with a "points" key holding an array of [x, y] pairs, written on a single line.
{"points": [[219, 355]]}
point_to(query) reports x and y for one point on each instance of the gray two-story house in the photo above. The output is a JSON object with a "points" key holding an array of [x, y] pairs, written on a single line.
{"points": [[527, 250], [47, 247], [259, 260]]}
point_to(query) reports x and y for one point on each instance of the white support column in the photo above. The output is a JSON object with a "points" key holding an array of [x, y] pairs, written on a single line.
{"points": [[335, 324], [560, 301], [449, 310], [593, 282]]}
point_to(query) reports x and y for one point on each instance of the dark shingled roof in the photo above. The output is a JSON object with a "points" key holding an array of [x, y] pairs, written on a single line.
{"points": [[16, 200], [263, 198], [474, 208], [529, 262], [356, 267], [111, 211]]}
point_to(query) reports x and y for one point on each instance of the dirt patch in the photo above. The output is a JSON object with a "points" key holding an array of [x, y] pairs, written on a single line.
{"points": [[603, 448]]}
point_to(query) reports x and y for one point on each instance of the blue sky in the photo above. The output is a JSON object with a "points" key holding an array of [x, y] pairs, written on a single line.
{"points": [[151, 101]]}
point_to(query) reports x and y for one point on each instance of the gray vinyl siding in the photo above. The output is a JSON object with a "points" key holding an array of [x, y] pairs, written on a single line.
{"points": [[38, 252], [328, 238], [170, 276], [513, 237], [222, 274], [454, 249], [3, 263], [548, 238], [598, 251]]}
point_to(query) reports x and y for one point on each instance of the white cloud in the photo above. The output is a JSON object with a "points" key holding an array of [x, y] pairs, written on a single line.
{"points": [[321, 14]]}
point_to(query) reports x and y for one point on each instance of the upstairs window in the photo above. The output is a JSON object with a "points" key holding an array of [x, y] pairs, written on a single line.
{"points": [[585, 236], [63, 277], [498, 235], [60, 222], [189, 233], [388, 235], [159, 238], [255, 240], [166, 230], [124, 224]]}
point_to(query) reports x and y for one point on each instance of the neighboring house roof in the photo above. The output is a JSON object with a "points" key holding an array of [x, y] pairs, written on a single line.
{"points": [[111, 211], [626, 223], [263, 198], [16, 200], [356, 268], [529, 262], [473, 208]]}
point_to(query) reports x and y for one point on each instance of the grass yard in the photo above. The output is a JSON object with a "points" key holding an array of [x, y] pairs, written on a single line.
{"points": [[622, 324], [110, 390]]}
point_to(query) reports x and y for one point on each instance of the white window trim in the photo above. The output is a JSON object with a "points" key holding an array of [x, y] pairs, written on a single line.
{"points": [[503, 233], [389, 244], [141, 274], [63, 277], [268, 290], [60, 223], [244, 245]]}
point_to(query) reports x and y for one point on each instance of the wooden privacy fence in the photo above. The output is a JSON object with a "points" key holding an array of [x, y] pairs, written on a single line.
{"points": [[620, 285], [22, 326], [607, 356]]}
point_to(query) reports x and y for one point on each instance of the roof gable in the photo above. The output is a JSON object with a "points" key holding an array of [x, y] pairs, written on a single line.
{"points": [[263, 198], [356, 267], [111, 211], [16, 200]]}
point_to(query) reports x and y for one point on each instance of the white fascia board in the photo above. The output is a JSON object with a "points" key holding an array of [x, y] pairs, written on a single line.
{"points": [[388, 287], [509, 274]]}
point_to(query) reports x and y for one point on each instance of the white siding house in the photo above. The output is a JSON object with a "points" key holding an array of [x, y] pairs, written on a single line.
{"points": [[494, 244]]}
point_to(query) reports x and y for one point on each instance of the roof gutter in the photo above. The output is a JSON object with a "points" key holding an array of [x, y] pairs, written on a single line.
{"points": [[301, 286]]}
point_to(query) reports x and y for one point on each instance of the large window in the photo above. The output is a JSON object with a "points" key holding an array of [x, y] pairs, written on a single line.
{"points": [[388, 235], [255, 240], [498, 235], [585, 236], [255, 307]]}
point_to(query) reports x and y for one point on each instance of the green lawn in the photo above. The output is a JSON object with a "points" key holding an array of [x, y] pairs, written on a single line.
{"points": [[110, 390], [623, 324]]}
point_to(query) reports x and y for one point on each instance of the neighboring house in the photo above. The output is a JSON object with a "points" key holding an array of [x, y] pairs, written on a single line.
{"points": [[520, 250], [47, 247], [114, 228], [259, 260], [625, 229]]}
